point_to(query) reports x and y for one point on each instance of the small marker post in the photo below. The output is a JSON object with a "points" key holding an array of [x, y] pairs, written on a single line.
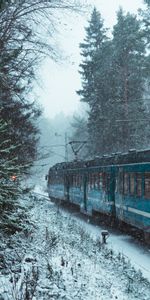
{"points": [[105, 235]]}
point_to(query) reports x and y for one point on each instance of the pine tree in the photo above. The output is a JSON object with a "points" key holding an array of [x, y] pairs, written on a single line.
{"points": [[128, 65], [16, 74], [10, 174], [93, 78], [95, 36], [114, 74]]}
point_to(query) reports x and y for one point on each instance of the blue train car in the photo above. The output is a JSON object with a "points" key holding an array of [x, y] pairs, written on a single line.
{"points": [[117, 186], [91, 188], [99, 190], [132, 195]]}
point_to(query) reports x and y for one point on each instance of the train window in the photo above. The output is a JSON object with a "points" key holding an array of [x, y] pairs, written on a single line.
{"points": [[126, 184], [147, 185], [104, 182], [96, 181], [90, 181], [74, 180], [139, 185], [120, 183], [70, 180], [93, 181], [108, 183], [116, 185], [79, 181], [99, 180], [132, 183]]}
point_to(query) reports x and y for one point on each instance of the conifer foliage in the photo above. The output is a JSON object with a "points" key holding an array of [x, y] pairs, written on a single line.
{"points": [[93, 75], [114, 73], [10, 172]]}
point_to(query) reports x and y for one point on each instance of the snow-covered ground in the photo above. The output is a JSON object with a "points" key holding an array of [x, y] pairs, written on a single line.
{"points": [[61, 257], [138, 254]]}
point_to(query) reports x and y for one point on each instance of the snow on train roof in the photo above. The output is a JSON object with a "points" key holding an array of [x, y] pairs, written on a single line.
{"points": [[132, 156]]}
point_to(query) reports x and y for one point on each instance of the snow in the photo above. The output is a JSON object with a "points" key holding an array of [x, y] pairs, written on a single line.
{"points": [[62, 257], [139, 255]]}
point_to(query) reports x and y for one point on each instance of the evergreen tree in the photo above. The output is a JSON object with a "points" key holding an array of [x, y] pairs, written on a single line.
{"points": [[114, 73], [129, 72], [93, 77], [10, 174], [95, 36]]}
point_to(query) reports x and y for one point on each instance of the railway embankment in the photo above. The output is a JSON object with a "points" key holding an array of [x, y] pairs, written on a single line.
{"points": [[58, 258]]}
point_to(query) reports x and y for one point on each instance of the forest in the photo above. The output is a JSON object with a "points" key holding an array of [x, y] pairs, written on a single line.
{"points": [[115, 75], [47, 252]]}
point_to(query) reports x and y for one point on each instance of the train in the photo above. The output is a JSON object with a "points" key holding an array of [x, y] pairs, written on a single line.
{"points": [[115, 187]]}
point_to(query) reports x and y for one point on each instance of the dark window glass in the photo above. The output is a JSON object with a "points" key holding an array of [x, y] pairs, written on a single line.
{"points": [[147, 185], [74, 180], [91, 181], [120, 183], [77, 181], [104, 181], [97, 181], [139, 184], [100, 180], [126, 184], [132, 183], [108, 183]]}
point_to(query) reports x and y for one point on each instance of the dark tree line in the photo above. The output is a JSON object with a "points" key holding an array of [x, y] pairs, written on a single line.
{"points": [[115, 72]]}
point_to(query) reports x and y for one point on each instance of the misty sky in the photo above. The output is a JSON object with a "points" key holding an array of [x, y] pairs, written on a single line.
{"points": [[58, 82]]}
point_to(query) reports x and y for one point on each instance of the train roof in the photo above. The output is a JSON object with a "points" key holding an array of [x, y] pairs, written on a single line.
{"points": [[132, 156]]}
